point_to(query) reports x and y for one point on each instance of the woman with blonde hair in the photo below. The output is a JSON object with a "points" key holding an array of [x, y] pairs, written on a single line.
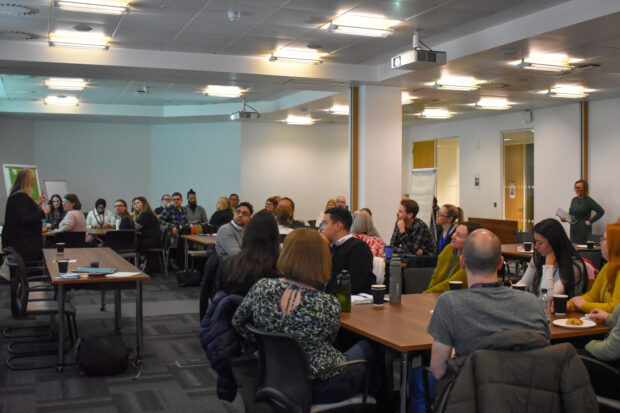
{"points": [[223, 215], [147, 224], [362, 228], [447, 219], [330, 204], [296, 305], [23, 218]]}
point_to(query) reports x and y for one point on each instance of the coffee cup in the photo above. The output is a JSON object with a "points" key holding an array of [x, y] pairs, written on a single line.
{"points": [[456, 285], [60, 247], [527, 246], [63, 266], [518, 287], [590, 245], [559, 302], [94, 264], [388, 251], [378, 294]]}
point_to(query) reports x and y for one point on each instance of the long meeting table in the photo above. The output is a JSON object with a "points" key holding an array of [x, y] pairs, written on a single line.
{"points": [[107, 259], [402, 327]]}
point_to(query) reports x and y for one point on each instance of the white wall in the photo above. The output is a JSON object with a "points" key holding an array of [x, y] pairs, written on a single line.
{"points": [[309, 164], [448, 169]]}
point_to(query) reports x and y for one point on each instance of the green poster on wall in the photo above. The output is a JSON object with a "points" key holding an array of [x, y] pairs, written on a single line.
{"points": [[10, 173]]}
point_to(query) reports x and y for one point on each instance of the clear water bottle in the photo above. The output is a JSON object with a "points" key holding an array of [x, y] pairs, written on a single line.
{"points": [[396, 281], [344, 291], [545, 298]]}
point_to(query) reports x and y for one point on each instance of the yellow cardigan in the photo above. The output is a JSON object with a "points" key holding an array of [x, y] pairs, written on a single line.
{"points": [[440, 281], [599, 295]]}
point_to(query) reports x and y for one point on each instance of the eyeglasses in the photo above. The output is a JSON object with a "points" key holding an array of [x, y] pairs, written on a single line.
{"points": [[176, 199], [119, 205], [166, 199]]}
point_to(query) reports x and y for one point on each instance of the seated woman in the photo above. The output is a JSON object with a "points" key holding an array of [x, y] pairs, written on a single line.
{"points": [[223, 214], [74, 219], [449, 261], [146, 223], [260, 249], [447, 219], [284, 218], [361, 228], [296, 305], [556, 264], [319, 220], [271, 204], [603, 294], [100, 217], [56, 214]]}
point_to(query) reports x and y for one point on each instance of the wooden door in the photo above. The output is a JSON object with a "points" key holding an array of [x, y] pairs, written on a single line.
{"points": [[514, 172]]}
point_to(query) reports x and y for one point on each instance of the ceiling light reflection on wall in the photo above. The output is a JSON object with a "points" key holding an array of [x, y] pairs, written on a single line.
{"points": [[80, 40], [361, 25], [567, 91], [297, 56], [60, 83], [94, 6], [223, 91], [546, 62], [462, 83], [492, 104], [61, 100], [435, 113], [299, 120], [339, 110]]}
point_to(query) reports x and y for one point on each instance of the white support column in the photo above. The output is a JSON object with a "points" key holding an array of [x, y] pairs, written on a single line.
{"points": [[380, 155]]}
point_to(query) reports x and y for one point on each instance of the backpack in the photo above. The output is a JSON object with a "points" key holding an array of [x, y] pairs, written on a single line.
{"points": [[102, 356]]}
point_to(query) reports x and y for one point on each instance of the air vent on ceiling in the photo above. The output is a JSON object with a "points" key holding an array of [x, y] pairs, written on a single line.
{"points": [[13, 9], [16, 35]]}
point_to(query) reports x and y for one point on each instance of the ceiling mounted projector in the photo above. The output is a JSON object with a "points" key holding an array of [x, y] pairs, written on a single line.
{"points": [[418, 58], [245, 114]]}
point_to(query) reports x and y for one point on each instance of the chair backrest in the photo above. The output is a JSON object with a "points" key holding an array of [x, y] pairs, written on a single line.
{"points": [[121, 240], [209, 229], [594, 256], [420, 261], [166, 237], [416, 280], [210, 283], [524, 237], [71, 239], [283, 372]]}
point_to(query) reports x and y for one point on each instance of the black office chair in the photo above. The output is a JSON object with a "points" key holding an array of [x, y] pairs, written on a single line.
{"points": [[420, 261], [284, 376], [161, 252], [245, 369], [605, 378], [416, 280], [123, 242], [71, 239]]}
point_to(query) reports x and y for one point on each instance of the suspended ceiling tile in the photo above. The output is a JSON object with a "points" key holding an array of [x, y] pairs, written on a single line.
{"points": [[200, 42]]}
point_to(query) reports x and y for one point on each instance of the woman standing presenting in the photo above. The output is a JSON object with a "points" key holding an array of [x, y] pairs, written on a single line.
{"points": [[22, 219], [581, 208]]}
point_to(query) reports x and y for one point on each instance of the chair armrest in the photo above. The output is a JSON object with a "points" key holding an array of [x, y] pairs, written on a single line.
{"points": [[600, 363], [610, 404]]}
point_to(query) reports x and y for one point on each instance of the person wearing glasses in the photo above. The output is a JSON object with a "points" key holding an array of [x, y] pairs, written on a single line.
{"points": [[229, 237], [123, 215], [100, 217], [175, 218], [165, 203], [447, 218], [581, 208]]}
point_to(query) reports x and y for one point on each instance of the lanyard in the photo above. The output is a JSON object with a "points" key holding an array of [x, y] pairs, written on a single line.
{"points": [[442, 241], [102, 220], [484, 285], [604, 291], [179, 213]]}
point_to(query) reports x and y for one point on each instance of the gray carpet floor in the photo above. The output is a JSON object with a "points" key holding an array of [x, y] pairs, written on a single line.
{"points": [[175, 375]]}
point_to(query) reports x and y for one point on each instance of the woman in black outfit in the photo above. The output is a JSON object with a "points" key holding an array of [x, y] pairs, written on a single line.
{"points": [[146, 223], [257, 259], [56, 214], [23, 218], [223, 215]]}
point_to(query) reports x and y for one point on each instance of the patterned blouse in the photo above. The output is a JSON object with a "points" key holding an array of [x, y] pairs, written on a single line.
{"points": [[377, 247], [314, 322]]}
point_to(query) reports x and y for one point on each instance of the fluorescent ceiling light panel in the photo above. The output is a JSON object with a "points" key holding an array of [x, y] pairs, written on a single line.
{"points": [[81, 40], [492, 104], [435, 113], [61, 83], [223, 91], [462, 83], [546, 62], [299, 120], [61, 100], [567, 91], [297, 56], [406, 98], [339, 110], [94, 6], [361, 25]]}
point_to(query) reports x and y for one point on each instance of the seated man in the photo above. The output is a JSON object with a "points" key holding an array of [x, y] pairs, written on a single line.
{"points": [[123, 215], [286, 201], [195, 213], [348, 252], [175, 218], [229, 236], [411, 235], [462, 318]]}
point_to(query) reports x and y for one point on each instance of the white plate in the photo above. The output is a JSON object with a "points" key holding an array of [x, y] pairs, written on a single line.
{"points": [[561, 322]]}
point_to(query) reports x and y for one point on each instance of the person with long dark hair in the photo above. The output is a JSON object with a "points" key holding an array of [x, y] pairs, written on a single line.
{"points": [[556, 265], [22, 218], [147, 224], [56, 214], [260, 249]]}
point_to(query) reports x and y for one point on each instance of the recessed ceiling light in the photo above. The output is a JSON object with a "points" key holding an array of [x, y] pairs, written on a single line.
{"points": [[59, 83], [546, 62], [361, 25], [61, 100], [297, 56], [492, 103], [223, 91], [435, 113], [567, 91], [462, 83], [339, 110], [81, 40], [299, 120], [94, 6]]}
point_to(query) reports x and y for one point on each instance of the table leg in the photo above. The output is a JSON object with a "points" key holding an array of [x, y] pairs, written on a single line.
{"points": [[403, 381], [61, 328], [117, 312], [139, 333], [186, 254]]}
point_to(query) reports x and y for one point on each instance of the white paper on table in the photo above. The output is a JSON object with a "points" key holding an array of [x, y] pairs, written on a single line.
{"points": [[73, 260], [122, 274], [361, 299]]}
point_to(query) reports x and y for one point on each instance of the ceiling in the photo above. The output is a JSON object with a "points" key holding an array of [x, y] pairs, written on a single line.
{"points": [[164, 52]]}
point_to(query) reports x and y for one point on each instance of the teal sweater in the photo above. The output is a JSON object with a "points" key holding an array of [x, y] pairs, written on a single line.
{"points": [[608, 349]]}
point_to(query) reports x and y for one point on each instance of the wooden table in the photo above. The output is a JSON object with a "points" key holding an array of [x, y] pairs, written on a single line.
{"points": [[106, 258], [402, 327], [512, 251], [202, 239]]}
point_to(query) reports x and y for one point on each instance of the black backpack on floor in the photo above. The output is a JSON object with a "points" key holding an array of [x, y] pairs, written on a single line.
{"points": [[102, 356]]}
